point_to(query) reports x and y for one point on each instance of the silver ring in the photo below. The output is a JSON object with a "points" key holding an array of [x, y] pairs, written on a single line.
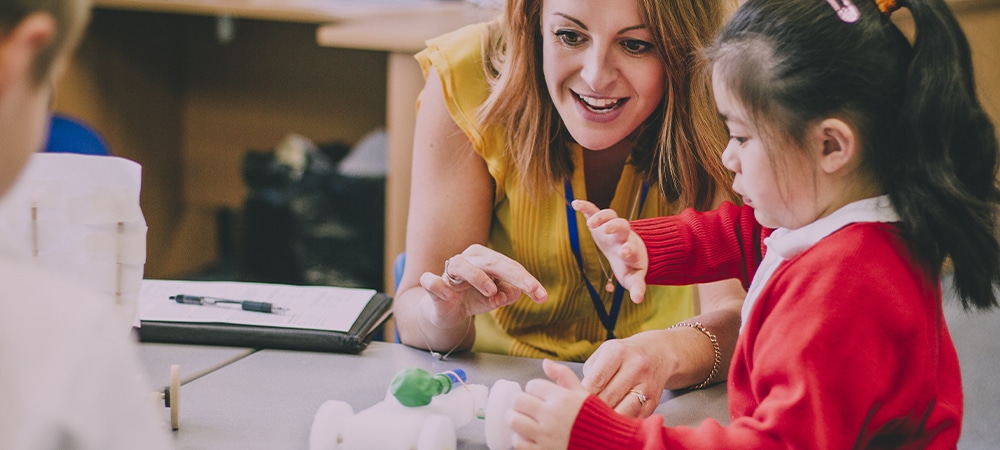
{"points": [[448, 277], [639, 395]]}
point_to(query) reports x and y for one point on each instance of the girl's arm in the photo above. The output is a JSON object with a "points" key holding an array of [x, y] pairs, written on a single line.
{"points": [[701, 247]]}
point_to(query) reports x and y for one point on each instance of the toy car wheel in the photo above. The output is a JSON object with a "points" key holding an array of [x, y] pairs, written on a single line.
{"points": [[328, 425], [498, 434]]}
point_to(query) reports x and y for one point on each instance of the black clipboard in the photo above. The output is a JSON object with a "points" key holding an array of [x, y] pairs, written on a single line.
{"points": [[374, 314]]}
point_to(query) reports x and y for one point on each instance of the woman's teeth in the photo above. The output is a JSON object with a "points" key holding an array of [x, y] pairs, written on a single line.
{"points": [[598, 104]]}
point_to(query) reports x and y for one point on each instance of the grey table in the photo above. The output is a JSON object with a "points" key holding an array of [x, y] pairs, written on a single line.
{"points": [[267, 399]]}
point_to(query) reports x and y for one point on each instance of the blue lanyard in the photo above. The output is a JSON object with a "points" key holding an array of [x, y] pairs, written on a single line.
{"points": [[608, 318]]}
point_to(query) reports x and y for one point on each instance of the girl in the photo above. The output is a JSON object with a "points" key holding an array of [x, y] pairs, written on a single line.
{"points": [[873, 163]]}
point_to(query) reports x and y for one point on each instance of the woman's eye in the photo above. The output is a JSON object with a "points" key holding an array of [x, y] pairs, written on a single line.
{"points": [[739, 139], [569, 37], [636, 46]]}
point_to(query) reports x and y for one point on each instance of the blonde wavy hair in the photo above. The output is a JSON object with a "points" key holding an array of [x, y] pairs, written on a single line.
{"points": [[678, 148]]}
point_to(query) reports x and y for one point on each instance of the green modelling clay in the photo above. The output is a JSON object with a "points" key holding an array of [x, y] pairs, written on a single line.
{"points": [[416, 387]]}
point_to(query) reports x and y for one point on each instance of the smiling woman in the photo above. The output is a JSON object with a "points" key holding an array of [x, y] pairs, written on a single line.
{"points": [[555, 100]]}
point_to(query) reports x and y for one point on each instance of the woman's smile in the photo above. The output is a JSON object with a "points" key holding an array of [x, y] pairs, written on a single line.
{"points": [[600, 109]]}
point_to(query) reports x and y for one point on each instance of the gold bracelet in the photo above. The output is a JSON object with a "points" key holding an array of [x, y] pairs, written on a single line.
{"points": [[715, 348]]}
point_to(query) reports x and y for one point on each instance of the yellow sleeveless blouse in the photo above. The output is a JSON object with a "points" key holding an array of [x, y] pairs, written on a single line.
{"points": [[534, 232]]}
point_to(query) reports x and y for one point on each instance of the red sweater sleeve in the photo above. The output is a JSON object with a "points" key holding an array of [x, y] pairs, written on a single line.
{"points": [[598, 427], [699, 247]]}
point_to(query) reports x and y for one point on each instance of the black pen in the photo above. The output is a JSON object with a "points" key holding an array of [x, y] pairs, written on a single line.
{"points": [[247, 305]]}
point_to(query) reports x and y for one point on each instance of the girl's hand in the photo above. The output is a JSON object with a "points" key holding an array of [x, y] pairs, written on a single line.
{"points": [[542, 416], [478, 280], [623, 247]]}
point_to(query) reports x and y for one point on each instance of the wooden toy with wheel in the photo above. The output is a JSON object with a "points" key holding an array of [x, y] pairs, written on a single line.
{"points": [[171, 396]]}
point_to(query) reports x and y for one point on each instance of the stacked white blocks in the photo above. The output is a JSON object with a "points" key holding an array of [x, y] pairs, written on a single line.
{"points": [[80, 215]]}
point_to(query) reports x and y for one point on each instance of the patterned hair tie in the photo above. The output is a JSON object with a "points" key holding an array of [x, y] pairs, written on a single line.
{"points": [[887, 6]]}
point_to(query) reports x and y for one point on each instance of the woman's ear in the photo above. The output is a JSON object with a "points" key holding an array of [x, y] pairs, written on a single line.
{"points": [[838, 143], [21, 44]]}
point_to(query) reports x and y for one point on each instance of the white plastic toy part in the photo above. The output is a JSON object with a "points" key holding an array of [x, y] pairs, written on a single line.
{"points": [[498, 434], [388, 425]]}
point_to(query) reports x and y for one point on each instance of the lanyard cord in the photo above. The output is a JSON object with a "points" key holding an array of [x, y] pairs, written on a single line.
{"points": [[608, 318]]}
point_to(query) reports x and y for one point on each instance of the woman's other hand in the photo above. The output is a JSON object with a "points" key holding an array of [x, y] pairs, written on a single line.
{"points": [[637, 363], [476, 281], [672, 358]]}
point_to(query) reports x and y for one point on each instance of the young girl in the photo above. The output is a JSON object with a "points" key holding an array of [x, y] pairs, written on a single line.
{"points": [[873, 163]]}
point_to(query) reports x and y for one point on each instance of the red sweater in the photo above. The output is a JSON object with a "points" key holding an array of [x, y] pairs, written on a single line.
{"points": [[846, 347]]}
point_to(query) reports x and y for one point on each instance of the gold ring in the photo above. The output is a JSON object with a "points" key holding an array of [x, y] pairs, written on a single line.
{"points": [[448, 277], [639, 395]]}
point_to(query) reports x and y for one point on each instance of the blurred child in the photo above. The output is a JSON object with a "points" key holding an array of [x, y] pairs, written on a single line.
{"points": [[69, 376], [873, 163]]}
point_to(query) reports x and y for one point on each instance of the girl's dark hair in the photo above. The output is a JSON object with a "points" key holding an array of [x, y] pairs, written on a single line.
{"points": [[922, 131]]}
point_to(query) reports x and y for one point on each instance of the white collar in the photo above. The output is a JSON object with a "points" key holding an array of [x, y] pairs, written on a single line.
{"points": [[790, 243]]}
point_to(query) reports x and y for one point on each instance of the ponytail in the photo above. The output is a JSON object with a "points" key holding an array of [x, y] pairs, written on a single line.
{"points": [[943, 184]]}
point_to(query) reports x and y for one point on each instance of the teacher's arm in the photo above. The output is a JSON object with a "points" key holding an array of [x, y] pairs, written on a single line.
{"points": [[451, 208]]}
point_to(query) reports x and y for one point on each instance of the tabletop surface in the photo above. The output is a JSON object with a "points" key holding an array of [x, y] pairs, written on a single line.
{"points": [[267, 399]]}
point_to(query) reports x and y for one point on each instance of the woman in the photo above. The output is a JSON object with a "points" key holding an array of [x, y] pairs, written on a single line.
{"points": [[573, 99]]}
